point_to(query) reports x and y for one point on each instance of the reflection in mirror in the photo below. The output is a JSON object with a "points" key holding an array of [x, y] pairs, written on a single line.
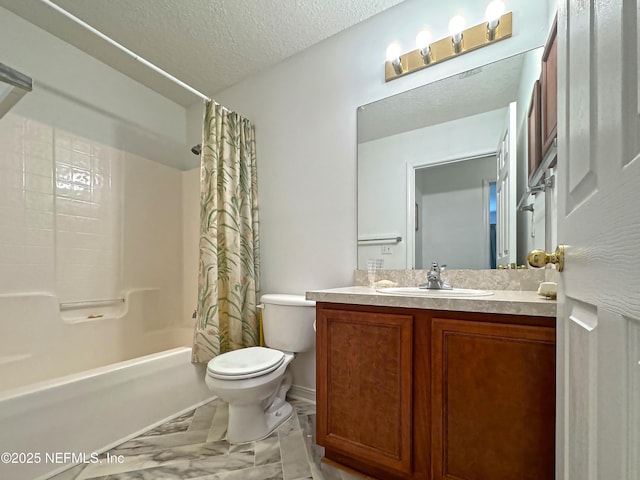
{"points": [[437, 168], [451, 195]]}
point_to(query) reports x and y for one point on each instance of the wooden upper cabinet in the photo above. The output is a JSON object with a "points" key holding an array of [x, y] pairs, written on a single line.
{"points": [[364, 387], [549, 89], [534, 153], [493, 401]]}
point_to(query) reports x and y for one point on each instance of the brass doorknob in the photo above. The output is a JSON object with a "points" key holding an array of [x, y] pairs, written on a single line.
{"points": [[539, 258]]}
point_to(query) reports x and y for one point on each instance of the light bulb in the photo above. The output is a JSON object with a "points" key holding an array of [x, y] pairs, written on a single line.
{"points": [[423, 42], [393, 55], [456, 26], [393, 51], [493, 13], [423, 39]]}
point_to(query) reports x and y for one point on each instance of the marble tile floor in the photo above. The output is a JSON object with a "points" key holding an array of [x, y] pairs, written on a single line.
{"points": [[192, 446]]}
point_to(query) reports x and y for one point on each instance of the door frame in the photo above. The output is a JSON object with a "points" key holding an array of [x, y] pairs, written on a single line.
{"points": [[411, 198]]}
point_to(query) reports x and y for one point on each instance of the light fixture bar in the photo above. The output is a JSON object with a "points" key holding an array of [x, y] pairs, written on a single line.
{"points": [[441, 50]]}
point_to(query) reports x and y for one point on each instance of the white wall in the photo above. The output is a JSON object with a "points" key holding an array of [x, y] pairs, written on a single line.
{"points": [[382, 175], [454, 213], [84, 209], [552, 10], [305, 115]]}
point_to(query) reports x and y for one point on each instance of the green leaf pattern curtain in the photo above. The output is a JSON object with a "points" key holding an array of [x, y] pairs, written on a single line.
{"points": [[228, 278]]}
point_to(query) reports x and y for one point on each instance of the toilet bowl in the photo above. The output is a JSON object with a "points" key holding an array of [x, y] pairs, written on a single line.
{"points": [[254, 381], [256, 397]]}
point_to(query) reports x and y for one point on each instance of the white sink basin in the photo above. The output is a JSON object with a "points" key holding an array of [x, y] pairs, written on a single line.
{"points": [[423, 292]]}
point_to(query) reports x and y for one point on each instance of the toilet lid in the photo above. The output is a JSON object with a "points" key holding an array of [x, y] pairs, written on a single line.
{"points": [[245, 363]]}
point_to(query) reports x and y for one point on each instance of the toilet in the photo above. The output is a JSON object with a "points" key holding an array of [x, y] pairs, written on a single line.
{"points": [[254, 381]]}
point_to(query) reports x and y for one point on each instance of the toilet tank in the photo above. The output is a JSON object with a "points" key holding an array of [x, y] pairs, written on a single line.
{"points": [[287, 322]]}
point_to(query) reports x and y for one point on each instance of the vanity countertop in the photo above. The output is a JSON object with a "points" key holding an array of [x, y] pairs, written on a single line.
{"points": [[513, 302]]}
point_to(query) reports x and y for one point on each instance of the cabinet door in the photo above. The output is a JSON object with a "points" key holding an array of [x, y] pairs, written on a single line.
{"points": [[493, 391], [550, 90], [364, 386], [534, 152]]}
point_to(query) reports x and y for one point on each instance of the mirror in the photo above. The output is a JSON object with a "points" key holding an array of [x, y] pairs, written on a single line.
{"points": [[438, 165]]}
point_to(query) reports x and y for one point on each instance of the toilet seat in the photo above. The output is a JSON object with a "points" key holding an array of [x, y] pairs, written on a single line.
{"points": [[245, 363]]}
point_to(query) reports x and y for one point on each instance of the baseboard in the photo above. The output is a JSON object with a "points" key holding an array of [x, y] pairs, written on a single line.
{"points": [[302, 393], [338, 466]]}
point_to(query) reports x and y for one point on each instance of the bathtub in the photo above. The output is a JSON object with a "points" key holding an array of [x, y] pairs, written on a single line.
{"points": [[93, 411]]}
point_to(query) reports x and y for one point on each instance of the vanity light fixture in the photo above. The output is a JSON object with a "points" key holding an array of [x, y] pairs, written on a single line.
{"points": [[393, 57], [498, 26]]}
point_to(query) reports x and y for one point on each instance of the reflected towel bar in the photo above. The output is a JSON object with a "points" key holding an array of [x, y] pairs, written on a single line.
{"points": [[541, 187], [381, 240]]}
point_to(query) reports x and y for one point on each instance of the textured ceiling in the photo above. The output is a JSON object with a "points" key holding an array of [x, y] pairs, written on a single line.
{"points": [[209, 44], [480, 90]]}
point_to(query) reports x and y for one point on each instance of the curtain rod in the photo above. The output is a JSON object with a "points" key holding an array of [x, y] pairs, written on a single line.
{"points": [[124, 49]]}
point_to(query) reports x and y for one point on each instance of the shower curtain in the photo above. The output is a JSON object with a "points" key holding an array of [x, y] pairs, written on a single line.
{"points": [[228, 278]]}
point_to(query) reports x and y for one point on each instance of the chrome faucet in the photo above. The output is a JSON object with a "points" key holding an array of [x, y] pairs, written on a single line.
{"points": [[434, 282]]}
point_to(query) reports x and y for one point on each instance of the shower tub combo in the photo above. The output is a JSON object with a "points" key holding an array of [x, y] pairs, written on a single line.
{"points": [[93, 410]]}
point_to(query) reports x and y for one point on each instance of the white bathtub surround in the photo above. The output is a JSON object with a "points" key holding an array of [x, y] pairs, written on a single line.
{"points": [[88, 206], [229, 276], [39, 342], [97, 409], [81, 220]]}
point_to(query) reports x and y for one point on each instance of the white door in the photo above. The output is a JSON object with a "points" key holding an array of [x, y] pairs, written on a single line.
{"points": [[598, 387], [506, 191]]}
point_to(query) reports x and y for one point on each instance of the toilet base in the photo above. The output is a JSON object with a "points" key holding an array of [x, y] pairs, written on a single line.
{"points": [[249, 423]]}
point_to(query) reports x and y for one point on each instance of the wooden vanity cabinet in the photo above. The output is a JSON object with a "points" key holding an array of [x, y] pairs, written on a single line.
{"points": [[422, 394]]}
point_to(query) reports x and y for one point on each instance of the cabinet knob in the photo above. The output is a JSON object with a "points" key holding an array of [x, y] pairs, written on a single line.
{"points": [[539, 258]]}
